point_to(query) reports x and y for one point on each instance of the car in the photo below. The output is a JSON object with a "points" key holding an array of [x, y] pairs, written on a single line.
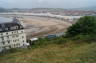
{"points": [[51, 36]]}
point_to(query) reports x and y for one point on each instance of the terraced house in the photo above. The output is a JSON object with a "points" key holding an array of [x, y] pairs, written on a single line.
{"points": [[12, 34]]}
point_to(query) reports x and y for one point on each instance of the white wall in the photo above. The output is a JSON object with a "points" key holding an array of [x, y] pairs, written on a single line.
{"points": [[15, 37]]}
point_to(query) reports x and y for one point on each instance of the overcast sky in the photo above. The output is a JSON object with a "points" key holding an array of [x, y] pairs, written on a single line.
{"points": [[46, 3]]}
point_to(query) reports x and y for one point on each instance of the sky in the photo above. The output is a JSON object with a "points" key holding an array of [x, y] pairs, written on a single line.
{"points": [[47, 3]]}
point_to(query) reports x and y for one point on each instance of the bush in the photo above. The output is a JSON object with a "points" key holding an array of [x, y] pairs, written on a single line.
{"points": [[46, 41], [84, 26], [84, 38]]}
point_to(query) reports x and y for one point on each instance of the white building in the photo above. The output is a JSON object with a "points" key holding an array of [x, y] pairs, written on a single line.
{"points": [[12, 35]]}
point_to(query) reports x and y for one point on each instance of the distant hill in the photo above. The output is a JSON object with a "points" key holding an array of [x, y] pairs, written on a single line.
{"points": [[92, 8], [3, 9]]}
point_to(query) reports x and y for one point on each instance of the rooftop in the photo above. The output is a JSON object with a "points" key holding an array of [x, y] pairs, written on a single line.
{"points": [[9, 24]]}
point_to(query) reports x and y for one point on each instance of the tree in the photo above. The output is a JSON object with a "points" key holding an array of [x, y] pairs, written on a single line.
{"points": [[84, 26]]}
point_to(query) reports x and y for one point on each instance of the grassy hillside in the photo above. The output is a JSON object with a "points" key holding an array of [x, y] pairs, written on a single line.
{"points": [[53, 53], [78, 46]]}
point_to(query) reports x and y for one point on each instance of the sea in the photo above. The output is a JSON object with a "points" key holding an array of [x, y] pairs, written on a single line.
{"points": [[4, 19]]}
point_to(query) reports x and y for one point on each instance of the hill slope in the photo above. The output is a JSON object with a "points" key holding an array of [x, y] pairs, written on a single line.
{"points": [[84, 53]]}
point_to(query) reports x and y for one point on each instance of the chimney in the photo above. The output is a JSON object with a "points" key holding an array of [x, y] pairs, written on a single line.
{"points": [[16, 20]]}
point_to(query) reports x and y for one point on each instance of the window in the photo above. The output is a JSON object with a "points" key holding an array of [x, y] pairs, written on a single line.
{"points": [[21, 31], [7, 33], [19, 44], [15, 40], [3, 43], [9, 46], [8, 42], [17, 35], [0, 47], [16, 27], [23, 44], [6, 28], [14, 45], [17, 31], [12, 32], [23, 41], [13, 36], [2, 38], [0, 29], [1, 33], [22, 36], [7, 36]]}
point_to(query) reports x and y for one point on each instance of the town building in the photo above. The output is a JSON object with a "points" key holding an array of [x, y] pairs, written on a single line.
{"points": [[12, 35]]}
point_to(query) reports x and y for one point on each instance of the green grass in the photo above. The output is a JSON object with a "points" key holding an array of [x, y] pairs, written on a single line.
{"points": [[53, 53]]}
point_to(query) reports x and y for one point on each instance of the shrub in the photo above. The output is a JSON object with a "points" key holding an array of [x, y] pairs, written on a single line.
{"points": [[84, 26]]}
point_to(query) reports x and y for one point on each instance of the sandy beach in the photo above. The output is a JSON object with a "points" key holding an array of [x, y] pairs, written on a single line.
{"points": [[42, 26]]}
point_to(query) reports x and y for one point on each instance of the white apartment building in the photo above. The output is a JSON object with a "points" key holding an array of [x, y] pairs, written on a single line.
{"points": [[12, 35]]}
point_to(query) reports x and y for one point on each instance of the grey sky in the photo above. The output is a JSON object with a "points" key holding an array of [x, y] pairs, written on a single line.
{"points": [[46, 3]]}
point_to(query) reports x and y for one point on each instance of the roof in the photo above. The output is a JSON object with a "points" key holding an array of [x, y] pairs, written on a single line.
{"points": [[9, 25], [34, 39]]}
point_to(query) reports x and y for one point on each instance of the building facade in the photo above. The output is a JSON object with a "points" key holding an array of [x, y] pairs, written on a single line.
{"points": [[12, 35]]}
